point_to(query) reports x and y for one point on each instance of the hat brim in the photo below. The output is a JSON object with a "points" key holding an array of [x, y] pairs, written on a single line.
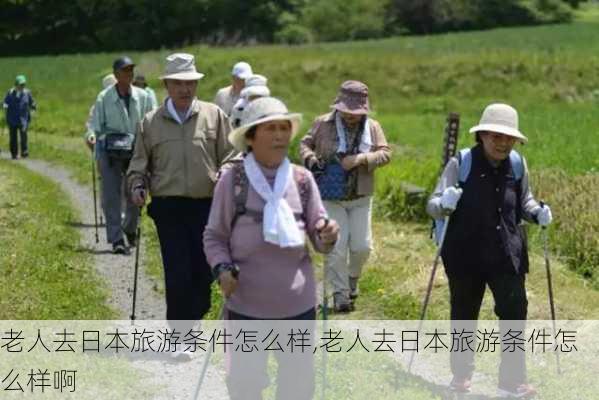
{"points": [[243, 75], [183, 76], [237, 136], [505, 130], [341, 106], [255, 91]]}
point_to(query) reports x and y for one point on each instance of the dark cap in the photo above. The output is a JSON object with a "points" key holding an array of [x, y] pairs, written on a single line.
{"points": [[121, 63]]}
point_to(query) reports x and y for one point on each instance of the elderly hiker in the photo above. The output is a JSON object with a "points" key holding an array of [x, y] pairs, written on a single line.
{"points": [[17, 105], [90, 136], [179, 149], [255, 87], [227, 97], [117, 113], [140, 82], [263, 210], [343, 148], [485, 192]]}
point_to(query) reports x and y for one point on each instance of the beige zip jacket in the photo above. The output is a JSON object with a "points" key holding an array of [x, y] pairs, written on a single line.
{"points": [[172, 159]]}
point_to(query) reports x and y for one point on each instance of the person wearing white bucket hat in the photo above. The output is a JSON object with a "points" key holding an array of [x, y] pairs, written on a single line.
{"points": [[255, 87], [486, 191], [179, 149], [267, 242], [226, 97]]}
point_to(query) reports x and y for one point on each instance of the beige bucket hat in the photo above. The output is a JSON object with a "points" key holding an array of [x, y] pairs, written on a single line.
{"points": [[500, 118], [259, 111], [181, 66]]}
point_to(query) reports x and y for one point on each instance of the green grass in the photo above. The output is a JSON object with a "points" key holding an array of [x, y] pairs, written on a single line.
{"points": [[43, 276]]}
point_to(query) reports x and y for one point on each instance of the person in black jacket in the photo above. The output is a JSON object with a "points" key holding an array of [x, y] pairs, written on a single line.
{"points": [[485, 191]]}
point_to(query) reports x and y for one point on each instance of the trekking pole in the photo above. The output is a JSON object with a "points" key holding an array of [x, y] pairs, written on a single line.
{"points": [[95, 200], [429, 288], [550, 286], [138, 236], [221, 316], [325, 311]]}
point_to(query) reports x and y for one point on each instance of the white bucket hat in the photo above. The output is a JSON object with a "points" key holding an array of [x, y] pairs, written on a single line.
{"points": [[500, 118], [259, 111], [255, 85], [181, 66], [242, 70]]}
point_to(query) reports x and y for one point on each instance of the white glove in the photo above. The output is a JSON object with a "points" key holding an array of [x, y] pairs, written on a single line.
{"points": [[450, 198], [544, 216]]}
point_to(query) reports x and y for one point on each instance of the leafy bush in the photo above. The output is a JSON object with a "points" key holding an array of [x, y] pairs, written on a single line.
{"points": [[429, 16], [340, 20]]}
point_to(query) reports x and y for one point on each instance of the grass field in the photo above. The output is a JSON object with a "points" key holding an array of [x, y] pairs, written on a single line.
{"points": [[43, 277], [548, 73]]}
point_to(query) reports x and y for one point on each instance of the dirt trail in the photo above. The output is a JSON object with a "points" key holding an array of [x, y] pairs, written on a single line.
{"points": [[178, 379]]}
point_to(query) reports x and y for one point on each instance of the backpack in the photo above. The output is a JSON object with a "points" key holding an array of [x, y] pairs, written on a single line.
{"points": [[241, 186], [464, 166]]}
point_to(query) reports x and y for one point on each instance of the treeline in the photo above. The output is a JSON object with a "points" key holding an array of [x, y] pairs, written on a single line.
{"points": [[62, 26]]}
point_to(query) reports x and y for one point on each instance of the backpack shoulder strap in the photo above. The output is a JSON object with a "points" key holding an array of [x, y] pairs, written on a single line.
{"points": [[517, 165], [240, 191], [300, 175], [465, 164]]}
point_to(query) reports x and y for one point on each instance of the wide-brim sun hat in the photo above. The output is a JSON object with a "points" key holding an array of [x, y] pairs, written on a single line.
{"points": [[259, 111], [352, 98], [181, 66], [500, 118]]}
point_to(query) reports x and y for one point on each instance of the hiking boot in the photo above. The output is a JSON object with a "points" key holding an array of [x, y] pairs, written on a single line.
{"points": [[118, 247], [460, 385], [341, 303], [354, 291], [131, 239], [524, 391]]}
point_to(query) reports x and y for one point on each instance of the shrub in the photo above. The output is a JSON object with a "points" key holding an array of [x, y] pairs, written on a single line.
{"points": [[575, 233]]}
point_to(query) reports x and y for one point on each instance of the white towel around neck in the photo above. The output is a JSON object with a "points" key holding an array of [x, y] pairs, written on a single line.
{"points": [[365, 139], [279, 225]]}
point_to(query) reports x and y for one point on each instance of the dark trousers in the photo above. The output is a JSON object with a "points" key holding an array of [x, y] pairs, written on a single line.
{"points": [[14, 141], [247, 373], [509, 293], [180, 224]]}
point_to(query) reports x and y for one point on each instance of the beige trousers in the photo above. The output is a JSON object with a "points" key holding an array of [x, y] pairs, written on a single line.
{"points": [[355, 241]]}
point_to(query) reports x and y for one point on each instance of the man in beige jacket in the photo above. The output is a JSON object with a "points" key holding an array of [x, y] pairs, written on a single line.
{"points": [[179, 149]]}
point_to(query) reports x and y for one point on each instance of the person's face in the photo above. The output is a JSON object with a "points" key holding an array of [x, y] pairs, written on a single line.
{"points": [[271, 142], [21, 87], [497, 146], [124, 76], [238, 83], [181, 92], [351, 120]]}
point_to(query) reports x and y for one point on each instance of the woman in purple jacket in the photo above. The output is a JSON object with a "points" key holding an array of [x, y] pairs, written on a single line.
{"points": [[262, 211]]}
